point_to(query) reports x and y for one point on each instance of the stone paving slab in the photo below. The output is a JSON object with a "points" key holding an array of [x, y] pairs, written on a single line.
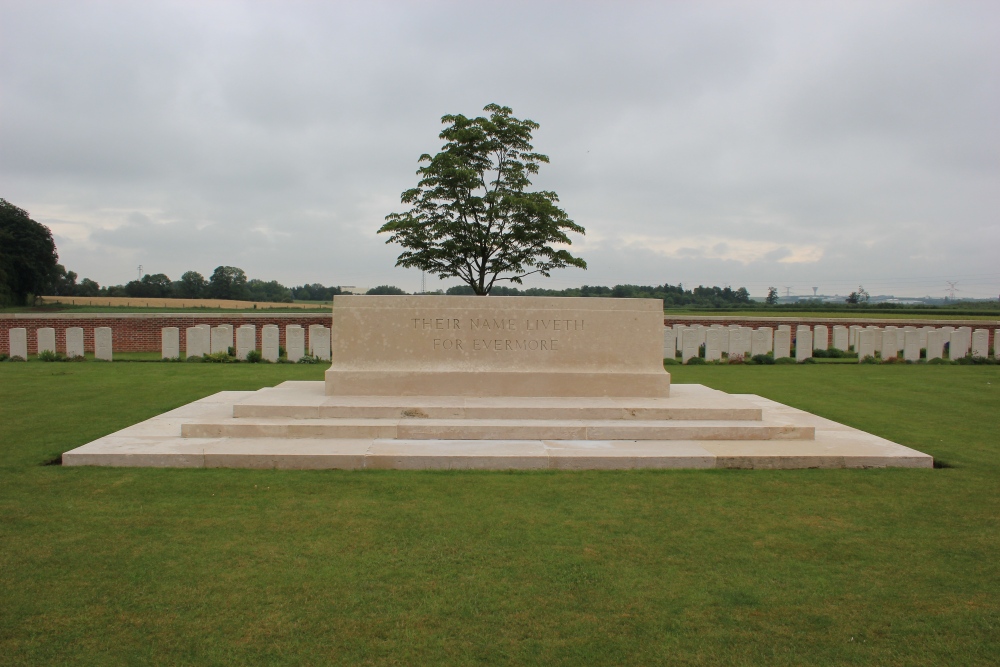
{"points": [[157, 442]]}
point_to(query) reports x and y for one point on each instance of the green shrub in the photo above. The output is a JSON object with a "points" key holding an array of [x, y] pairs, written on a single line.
{"points": [[784, 360], [671, 362], [79, 357], [975, 361], [230, 351], [308, 359], [3, 357], [698, 361], [282, 352], [808, 360], [869, 359], [736, 359], [765, 359], [254, 357], [49, 355], [820, 354], [939, 361], [16, 357], [195, 359], [834, 353], [219, 358]]}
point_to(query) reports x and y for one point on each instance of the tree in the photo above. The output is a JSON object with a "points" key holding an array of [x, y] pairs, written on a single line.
{"points": [[151, 286], [772, 296], [385, 289], [858, 297], [471, 215], [227, 282], [191, 285], [28, 257]]}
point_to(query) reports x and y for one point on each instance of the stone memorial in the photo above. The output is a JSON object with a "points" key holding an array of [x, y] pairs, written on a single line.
{"points": [[246, 341], [456, 382], [269, 342], [46, 339], [981, 343], [74, 342], [866, 343], [803, 343], [957, 347], [319, 341], [821, 337], [18, 343], [911, 345], [170, 343], [889, 341], [103, 349], [935, 344], [758, 343], [782, 343], [689, 346], [669, 343], [713, 345], [196, 342], [295, 342], [841, 338]]}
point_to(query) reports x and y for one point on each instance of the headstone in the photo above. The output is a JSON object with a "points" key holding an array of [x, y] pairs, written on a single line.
{"points": [[866, 343], [935, 344], [782, 343], [295, 342], [269, 342], [679, 330], [877, 339], [889, 350], [737, 348], [74, 342], [923, 335], [220, 340], [46, 339], [803, 343], [103, 344], [956, 346], [471, 346], [758, 343], [170, 343], [821, 337], [724, 339], [669, 343], [246, 341], [981, 343], [230, 335], [19, 343], [713, 344], [769, 334], [320, 343], [702, 331], [967, 336], [852, 336], [747, 333], [197, 343], [911, 346], [841, 338], [689, 346]]}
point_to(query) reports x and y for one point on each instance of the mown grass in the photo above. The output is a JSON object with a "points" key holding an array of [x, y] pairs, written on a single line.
{"points": [[143, 566]]}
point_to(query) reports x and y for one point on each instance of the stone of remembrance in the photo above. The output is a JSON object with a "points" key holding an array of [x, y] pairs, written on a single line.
{"points": [[493, 383]]}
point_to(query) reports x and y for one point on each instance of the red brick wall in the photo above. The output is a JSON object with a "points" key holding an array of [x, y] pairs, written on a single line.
{"points": [[142, 332]]}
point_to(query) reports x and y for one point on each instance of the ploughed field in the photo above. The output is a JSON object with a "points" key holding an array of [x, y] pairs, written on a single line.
{"points": [[214, 566]]}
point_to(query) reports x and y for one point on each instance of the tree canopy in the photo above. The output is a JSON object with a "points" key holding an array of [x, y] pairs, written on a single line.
{"points": [[472, 217], [28, 258]]}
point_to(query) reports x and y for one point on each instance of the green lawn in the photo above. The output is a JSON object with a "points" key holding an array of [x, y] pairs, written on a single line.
{"points": [[177, 567]]}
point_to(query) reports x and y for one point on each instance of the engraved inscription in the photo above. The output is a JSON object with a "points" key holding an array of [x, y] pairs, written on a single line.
{"points": [[504, 326]]}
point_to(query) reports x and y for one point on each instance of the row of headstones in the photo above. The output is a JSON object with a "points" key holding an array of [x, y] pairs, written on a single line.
{"points": [[46, 342], [204, 339], [735, 341]]}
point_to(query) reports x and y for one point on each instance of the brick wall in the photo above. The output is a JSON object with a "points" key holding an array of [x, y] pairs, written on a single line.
{"points": [[141, 332]]}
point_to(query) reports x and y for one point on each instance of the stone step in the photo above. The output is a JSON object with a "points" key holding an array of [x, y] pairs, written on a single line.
{"points": [[497, 429], [306, 400]]}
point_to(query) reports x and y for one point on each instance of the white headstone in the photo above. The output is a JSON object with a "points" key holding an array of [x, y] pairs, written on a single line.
{"points": [[747, 339], [889, 350], [319, 341], [758, 343], [713, 344], [19, 343], [170, 343], [737, 346], [821, 337], [841, 338], [669, 343], [935, 344], [103, 344], [724, 339], [679, 329], [967, 336], [702, 332], [46, 339], [269, 342], [220, 340], [769, 333], [866, 343], [295, 342], [196, 344], [956, 346], [803, 343], [689, 347], [782, 343], [877, 339], [911, 346], [246, 341], [923, 335], [852, 336], [74, 342], [981, 343]]}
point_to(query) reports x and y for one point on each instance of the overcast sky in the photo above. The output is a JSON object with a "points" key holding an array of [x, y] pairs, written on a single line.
{"points": [[745, 144]]}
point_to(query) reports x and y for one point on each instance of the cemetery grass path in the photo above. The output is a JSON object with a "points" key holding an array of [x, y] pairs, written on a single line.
{"points": [[239, 567]]}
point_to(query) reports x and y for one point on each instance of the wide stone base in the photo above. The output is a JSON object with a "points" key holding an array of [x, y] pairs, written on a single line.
{"points": [[297, 426]]}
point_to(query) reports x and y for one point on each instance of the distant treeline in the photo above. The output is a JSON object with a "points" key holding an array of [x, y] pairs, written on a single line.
{"points": [[672, 295]]}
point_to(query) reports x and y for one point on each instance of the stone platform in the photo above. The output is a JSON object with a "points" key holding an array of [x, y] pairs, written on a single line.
{"points": [[297, 425]]}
